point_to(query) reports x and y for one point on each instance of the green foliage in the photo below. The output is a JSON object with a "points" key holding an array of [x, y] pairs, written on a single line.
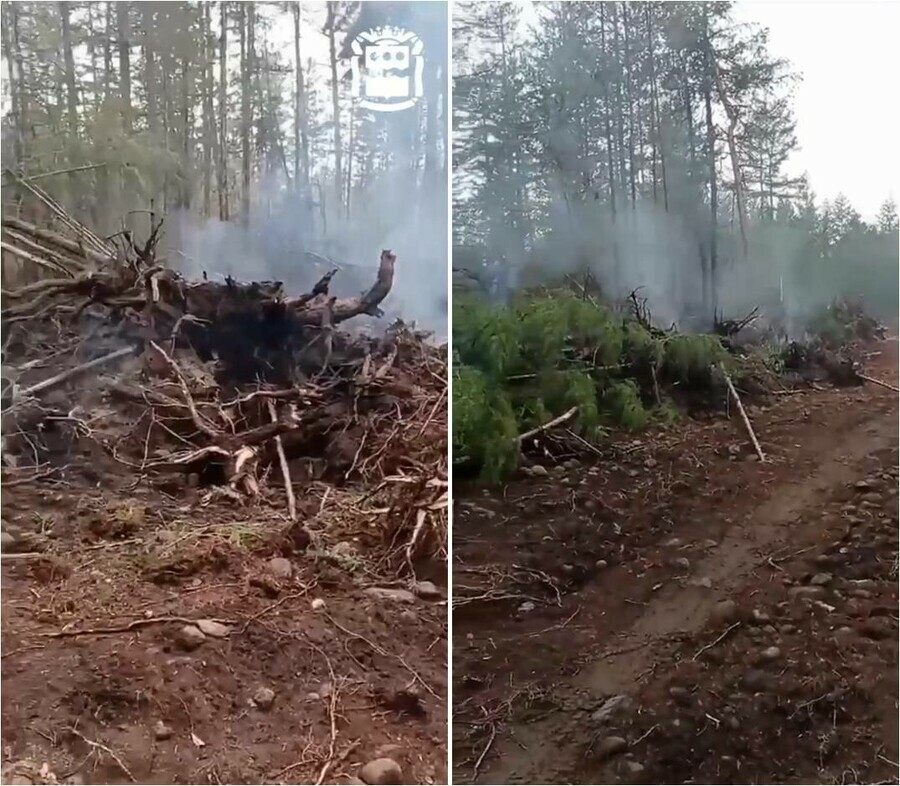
{"points": [[690, 358], [484, 426], [622, 404], [520, 365]]}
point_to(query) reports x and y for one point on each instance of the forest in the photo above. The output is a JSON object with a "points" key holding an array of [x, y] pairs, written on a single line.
{"points": [[233, 120], [623, 206], [647, 143]]}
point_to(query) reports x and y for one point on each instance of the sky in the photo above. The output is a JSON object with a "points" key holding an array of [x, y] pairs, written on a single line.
{"points": [[845, 105]]}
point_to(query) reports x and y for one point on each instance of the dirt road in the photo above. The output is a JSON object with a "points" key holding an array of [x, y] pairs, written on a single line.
{"points": [[681, 613]]}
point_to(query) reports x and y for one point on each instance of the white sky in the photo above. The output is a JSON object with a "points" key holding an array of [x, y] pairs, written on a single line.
{"points": [[846, 103]]}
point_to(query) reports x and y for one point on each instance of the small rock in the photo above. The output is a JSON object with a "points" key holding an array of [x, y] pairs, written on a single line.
{"points": [[572, 464], [409, 616], [673, 543], [526, 606], [807, 592], [787, 629], [878, 628], [704, 582], [281, 567], [538, 471], [861, 593], [161, 731], [771, 653], [600, 564], [633, 768], [709, 543], [757, 681], [7, 542], [681, 562], [610, 707], [725, 611], [611, 746], [426, 590], [760, 616], [650, 463], [387, 593], [212, 628], [680, 695], [189, 637], [318, 604], [820, 579], [381, 771], [264, 698]]}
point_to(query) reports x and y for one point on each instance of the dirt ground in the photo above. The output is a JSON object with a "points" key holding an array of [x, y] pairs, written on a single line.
{"points": [[101, 685], [678, 612]]}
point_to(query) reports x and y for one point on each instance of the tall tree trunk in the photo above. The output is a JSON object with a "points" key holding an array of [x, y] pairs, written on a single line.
{"points": [[10, 28], [69, 62], [107, 52], [335, 103], [733, 119], [246, 119], [187, 168], [655, 118], [607, 111], [713, 196], [210, 153], [629, 95], [150, 79], [123, 32], [222, 163]]}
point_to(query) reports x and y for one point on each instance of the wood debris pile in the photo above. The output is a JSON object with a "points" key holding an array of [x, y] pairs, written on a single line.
{"points": [[116, 364]]}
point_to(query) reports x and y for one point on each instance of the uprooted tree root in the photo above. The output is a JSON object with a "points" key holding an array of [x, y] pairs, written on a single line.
{"points": [[228, 386]]}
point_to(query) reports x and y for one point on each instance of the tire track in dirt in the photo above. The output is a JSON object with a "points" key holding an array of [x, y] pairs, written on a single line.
{"points": [[539, 753]]}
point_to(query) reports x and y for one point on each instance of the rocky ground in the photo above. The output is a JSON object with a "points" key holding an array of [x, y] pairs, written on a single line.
{"points": [[679, 612], [168, 639]]}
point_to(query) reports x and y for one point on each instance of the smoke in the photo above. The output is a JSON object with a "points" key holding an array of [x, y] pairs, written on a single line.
{"points": [[397, 200]]}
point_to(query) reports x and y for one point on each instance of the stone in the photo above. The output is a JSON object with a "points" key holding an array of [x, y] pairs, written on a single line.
{"points": [[381, 771], [539, 471], [633, 769], [610, 707], [526, 606], [600, 564], [673, 543], [878, 628], [281, 567], [807, 592], [388, 593], [318, 604], [611, 746], [704, 582], [681, 562], [7, 543], [760, 616], [725, 611], [409, 616], [771, 653], [264, 698], [426, 590], [757, 681], [189, 637], [680, 695], [820, 579], [161, 731], [709, 543], [212, 628]]}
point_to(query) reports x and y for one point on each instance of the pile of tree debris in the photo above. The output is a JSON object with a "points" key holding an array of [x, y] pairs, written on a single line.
{"points": [[115, 363]]}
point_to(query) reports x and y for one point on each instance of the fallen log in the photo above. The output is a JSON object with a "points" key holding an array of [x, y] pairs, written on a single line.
{"points": [[566, 416], [66, 375]]}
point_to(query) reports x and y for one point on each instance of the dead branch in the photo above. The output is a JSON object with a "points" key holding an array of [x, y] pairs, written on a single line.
{"points": [[285, 471], [878, 382], [66, 375], [565, 417], [740, 406]]}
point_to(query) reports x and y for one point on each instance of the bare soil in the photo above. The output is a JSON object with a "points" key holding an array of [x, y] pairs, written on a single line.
{"points": [[679, 612], [97, 686]]}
